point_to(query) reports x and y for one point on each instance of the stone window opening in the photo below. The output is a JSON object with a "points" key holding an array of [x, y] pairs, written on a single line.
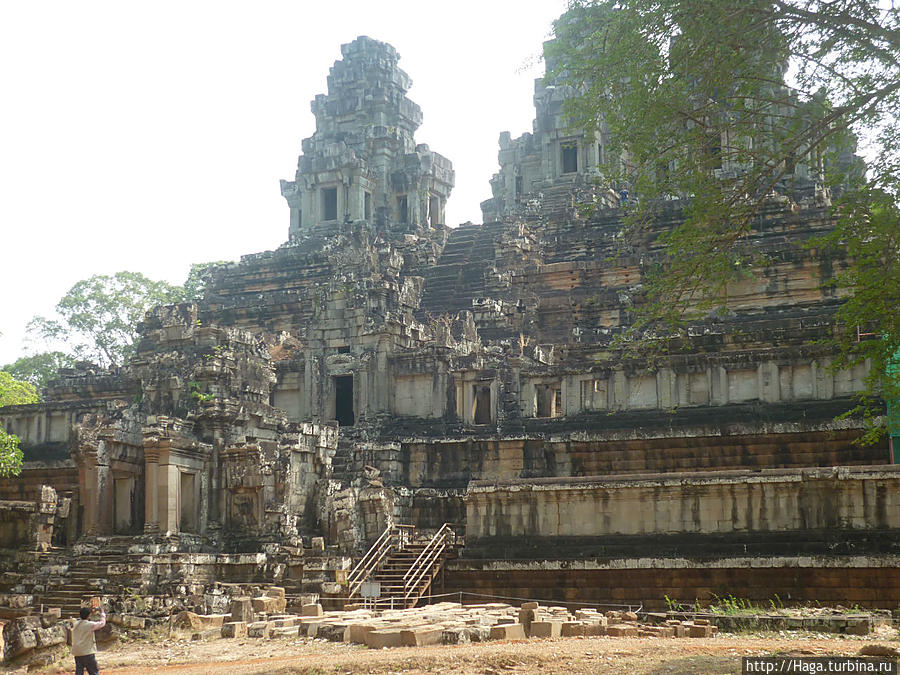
{"points": [[548, 400], [343, 350], [343, 400], [402, 210], [435, 216], [367, 205], [594, 394], [520, 186], [329, 204], [481, 404], [569, 157]]}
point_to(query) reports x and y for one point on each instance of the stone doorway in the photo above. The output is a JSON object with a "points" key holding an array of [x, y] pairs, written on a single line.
{"points": [[481, 413], [343, 400], [187, 521], [122, 499]]}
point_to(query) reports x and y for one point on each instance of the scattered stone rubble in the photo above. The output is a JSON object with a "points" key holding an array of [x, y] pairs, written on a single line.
{"points": [[441, 623]]}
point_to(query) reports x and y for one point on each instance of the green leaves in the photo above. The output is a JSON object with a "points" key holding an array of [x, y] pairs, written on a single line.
{"points": [[98, 316], [10, 454], [15, 392], [720, 105], [39, 369], [12, 392]]}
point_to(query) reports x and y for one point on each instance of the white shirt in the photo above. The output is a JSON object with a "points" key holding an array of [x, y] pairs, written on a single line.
{"points": [[83, 635]]}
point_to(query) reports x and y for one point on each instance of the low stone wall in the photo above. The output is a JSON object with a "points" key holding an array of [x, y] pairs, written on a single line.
{"points": [[28, 524], [843, 498], [869, 581]]}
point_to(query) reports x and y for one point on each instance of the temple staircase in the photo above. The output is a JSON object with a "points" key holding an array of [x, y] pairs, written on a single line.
{"points": [[402, 566], [86, 575]]}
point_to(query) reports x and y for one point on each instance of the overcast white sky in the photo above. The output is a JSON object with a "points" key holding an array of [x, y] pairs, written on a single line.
{"points": [[146, 136]]}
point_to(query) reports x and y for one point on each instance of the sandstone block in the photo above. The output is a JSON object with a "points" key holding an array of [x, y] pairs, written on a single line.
{"points": [[308, 599], [508, 631], [530, 605], [546, 629], [21, 642], [622, 630], [358, 631], [50, 617], [333, 632], [285, 621], [572, 629], [275, 592], [592, 629], [464, 634], [858, 626], [527, 617], [285, 631], [385, 637], [47, 637], [422, 636], [134, 622], [311, 610], [242, 610], [234, 629], [198, 621], [629, 616], [267, 605], [309, 626], [260, 629], [696, 631]]}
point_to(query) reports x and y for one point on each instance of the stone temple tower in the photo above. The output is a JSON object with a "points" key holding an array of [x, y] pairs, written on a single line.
{"points": [[362, 162]]}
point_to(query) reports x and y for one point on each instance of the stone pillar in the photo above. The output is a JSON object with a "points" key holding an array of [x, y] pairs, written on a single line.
{"points": [[88, 480], [151, 503], [104, 491]]}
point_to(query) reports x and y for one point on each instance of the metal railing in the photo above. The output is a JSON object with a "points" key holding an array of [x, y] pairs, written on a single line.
{"points": [[394, 537], [426, 567]]}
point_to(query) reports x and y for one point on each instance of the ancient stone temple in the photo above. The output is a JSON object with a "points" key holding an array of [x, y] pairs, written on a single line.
{"points": [[381, 367]]}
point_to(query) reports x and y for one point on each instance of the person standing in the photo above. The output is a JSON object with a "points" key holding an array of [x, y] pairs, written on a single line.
{"points": [[83, 644]]}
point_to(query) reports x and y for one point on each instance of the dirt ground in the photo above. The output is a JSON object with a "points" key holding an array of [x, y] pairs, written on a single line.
{"points": [[569, 656]]}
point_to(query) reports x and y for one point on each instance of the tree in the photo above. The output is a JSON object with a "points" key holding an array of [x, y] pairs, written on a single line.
{"points": [[97, 317], [720, 105], [12, 392], [195, 285], [39, 369]]}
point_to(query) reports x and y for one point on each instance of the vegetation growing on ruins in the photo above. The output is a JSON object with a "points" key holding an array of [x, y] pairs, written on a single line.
{"points": [[98, 316], [12, 392], [721, 100], [39, 369]]}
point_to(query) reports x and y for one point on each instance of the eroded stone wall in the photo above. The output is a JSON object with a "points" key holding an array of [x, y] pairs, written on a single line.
{"points": [[841, 498]]}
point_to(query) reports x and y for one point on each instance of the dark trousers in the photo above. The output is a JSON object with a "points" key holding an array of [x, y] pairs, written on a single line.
{"points": [[86, 663]]}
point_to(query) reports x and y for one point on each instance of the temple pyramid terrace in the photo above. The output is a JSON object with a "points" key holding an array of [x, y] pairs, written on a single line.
{"points": [[386, 409]]}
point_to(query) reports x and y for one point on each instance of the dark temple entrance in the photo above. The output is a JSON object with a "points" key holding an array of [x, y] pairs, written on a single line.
{"points": [[343, 400]]}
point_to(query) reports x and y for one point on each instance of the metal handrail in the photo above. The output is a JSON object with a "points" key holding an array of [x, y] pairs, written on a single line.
{"points": [[426, 562], [393, 535]]}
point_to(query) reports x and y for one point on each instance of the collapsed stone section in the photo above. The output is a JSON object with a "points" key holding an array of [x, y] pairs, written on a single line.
{"points": [[362, 162]]}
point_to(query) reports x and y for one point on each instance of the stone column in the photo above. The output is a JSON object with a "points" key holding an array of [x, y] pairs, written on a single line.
{"points": [[151, 503], [168, 496], [104, 499], [88, 480]]}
